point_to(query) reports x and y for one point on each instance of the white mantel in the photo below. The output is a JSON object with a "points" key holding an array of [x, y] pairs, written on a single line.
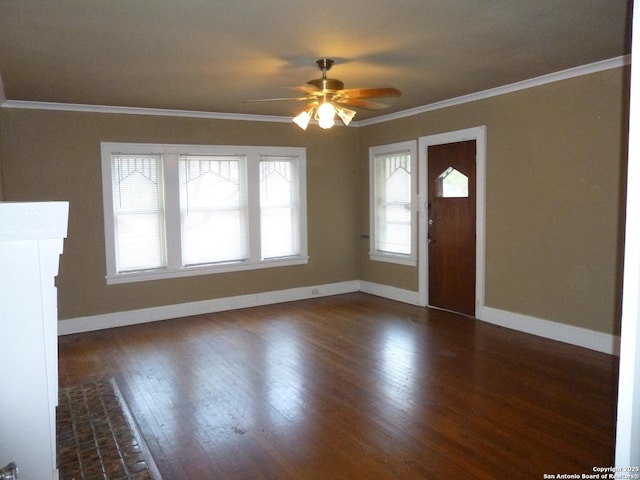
{"points": [[31, 241]]}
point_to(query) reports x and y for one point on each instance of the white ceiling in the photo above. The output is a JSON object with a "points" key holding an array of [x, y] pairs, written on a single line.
{"points": [[211, 55]]}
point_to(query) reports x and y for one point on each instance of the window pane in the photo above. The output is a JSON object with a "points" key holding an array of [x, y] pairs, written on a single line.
{"points": [[394, 239], [138, 212], [393, 203], [452, 184], [279, 207], [139, 245], [213, 205]]}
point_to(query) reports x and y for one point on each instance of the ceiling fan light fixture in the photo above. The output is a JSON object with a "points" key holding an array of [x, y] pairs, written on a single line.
{"points": [[304, 118], [346, 115], [325, 115]]}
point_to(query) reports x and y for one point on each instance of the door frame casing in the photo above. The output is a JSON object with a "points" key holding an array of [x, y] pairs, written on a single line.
{"points": [[479, 134]]}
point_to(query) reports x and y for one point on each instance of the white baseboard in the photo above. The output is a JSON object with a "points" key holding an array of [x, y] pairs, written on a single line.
{"points": [[144, 315], [392, 293], [578, 336], [581, 337]]}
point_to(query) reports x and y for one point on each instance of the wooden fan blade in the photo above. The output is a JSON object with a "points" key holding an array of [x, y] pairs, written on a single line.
{"points": [[370, 92], [359, 103], [308, 89], [291, 99]]}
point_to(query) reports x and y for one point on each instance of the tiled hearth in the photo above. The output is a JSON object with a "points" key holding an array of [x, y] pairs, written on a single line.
{"points": [[97, 438]]}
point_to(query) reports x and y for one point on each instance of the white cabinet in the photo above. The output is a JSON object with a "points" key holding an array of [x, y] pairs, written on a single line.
{"points": [[31, 240]]}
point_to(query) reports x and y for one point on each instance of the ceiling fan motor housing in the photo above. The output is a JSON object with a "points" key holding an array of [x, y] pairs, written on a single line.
{"points": [[327, 84]]}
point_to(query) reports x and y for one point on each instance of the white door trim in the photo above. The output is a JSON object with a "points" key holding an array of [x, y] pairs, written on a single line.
{"points": [[479, 134]]}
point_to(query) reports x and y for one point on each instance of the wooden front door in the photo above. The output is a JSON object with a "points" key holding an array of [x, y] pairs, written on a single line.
{"points": [[452, 226]]}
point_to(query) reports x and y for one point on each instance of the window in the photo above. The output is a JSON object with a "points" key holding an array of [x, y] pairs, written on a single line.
{"points": [[452, 184], [279, 208], [138, 211], [213, 209], [393, 193], [180, 210]]}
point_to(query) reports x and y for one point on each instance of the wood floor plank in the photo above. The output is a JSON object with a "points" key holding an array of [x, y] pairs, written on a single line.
{"points": [[353, 386]]}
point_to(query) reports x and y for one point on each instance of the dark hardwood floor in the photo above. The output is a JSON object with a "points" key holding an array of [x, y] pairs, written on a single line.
{"points": [[354, 387]]}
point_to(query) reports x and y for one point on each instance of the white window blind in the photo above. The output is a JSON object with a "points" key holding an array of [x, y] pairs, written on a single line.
{"points": [[393, 206], [279, 210], [138, 212], [393, 195], [182, 210], [213, 205]]}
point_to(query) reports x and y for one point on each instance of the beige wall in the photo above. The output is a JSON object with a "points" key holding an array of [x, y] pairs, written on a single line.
{"points": [[555, 169], [51, 155], [555, 166]]}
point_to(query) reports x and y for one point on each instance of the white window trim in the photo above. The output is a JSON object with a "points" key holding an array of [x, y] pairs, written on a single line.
{"points": [[410, 259], [171, 154]]}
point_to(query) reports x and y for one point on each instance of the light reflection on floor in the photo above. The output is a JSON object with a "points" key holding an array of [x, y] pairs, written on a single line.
{"points": [[284, 365], [399, 362]]}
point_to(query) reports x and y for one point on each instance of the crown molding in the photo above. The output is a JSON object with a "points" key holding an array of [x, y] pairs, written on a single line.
{"points": [[617, 62], [78, 107], [609, 64]]}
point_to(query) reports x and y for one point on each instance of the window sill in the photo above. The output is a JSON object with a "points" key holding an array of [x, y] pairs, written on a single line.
{"points": [[391, 258], [143, 276]]}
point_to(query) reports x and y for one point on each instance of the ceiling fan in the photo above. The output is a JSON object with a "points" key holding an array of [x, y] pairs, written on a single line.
{"points": [[328, 95]]}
